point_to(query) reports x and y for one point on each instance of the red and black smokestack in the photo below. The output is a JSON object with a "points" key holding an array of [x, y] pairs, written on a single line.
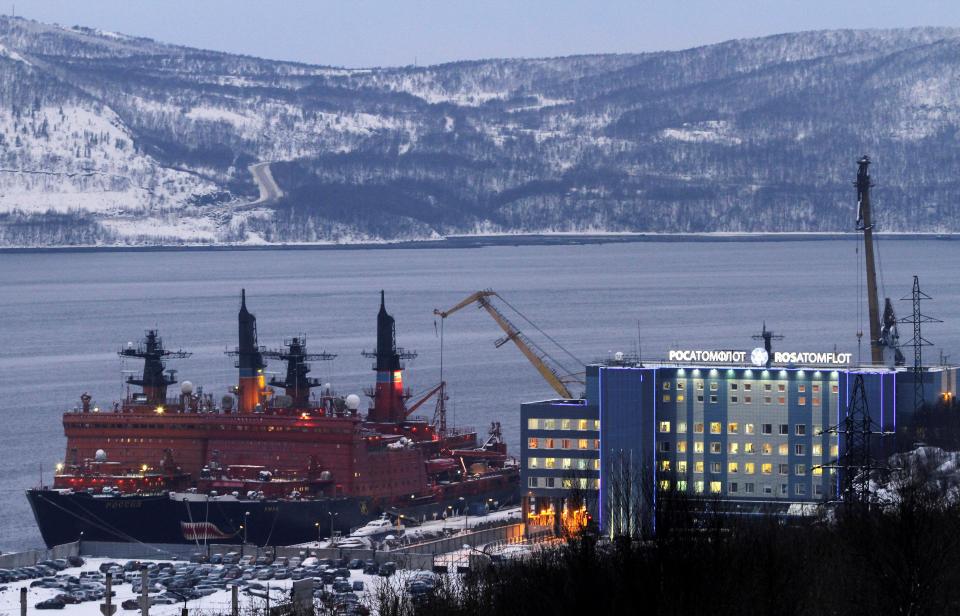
{"points": [[153, 380], [249, 359], [389, 397]]}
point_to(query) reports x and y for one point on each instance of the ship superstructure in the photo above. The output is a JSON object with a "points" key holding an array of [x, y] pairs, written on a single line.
{"points": [[304, 454]]}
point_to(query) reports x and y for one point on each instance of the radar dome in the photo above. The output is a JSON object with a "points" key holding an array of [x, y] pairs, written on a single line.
{"points": [[618, 356], [353, 402], [129, 344], [100, 456], [186, 388]]}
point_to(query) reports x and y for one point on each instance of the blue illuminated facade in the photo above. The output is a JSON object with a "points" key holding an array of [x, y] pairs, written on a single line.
{"points": [[755, 439]]}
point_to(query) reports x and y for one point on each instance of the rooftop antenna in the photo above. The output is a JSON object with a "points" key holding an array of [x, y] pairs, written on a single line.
{"points": [[767, 336], [918, 341]]}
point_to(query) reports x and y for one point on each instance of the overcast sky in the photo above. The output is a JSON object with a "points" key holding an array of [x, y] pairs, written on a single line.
{"points": [[360, 33]]}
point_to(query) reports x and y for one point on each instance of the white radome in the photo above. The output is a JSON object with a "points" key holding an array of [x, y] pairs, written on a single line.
{"points": [[186, 388], [353, 402], [100, 456]]}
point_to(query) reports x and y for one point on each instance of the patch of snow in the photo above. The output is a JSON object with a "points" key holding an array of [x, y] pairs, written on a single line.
{"points": [[711, 131]]}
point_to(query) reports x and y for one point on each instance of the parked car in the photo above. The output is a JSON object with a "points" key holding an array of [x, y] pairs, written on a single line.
{"points": [[387, 569], [50, 604], [355, 563]]}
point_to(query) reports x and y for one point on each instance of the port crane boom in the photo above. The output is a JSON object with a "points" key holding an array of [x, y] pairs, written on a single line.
{"points": [[538, 359]]}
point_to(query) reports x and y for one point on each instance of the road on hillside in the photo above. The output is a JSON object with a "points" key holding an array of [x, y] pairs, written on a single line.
{"points": [[269, 191]]}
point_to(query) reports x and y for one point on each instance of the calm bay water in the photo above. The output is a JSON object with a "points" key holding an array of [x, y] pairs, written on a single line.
{"points": [[64, 316]]}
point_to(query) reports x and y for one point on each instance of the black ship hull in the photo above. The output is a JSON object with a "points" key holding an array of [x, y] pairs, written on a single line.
{"points": [[64, 517]]}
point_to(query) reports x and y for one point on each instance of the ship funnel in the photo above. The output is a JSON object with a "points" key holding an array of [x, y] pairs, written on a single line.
{"points": [[250, 361]]}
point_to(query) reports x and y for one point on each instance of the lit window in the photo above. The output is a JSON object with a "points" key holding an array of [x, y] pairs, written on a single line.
{"points": [[566, 463], [565, 424], [533, 463], [681, 427], [700, 385], [531, 443], [817, 429], [817, 450], [733, 467], [698, 466], [664, 426], [816, 471], [565, 444], [715, 468], [681, 446], [596, 443], [582, 424], [583, 444], [766, 449], [800, 429], [833, 450], [552, 463], [749, 468], [734, 448], [533, 423], [596, 424], [665, 465], [666, 397], [798, 449], [682, 485], [549, 424], [748, 428], [582, 483], [548, 443], [835, 389], [715, 427], [666, 385], [781, 400], [679, 397], [714, 447], [697, 446], [765, 468], [682, 466], [802, 401], [733, 428], [664, 485], [713, 386], [715, 487], [698, 428], [582, 464], [782, 449], [801, 388], [596, 464], [816, 388], [698, 487]]}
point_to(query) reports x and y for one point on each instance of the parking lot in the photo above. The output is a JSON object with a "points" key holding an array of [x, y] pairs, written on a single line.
{"points": [[77, 586]]}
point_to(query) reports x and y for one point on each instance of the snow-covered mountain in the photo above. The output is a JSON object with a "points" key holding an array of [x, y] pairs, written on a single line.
{"points": [[111, 139]]}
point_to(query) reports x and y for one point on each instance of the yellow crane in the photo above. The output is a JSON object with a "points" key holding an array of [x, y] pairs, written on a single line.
{"points": [[531, 351]]}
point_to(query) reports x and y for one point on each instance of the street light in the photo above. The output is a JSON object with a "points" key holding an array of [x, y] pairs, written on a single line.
{"points": [[463, 508], [332, 515], [243, 527], [317, 524]]}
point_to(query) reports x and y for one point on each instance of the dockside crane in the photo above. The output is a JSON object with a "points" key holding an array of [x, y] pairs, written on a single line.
{"points": [[558, 379]]}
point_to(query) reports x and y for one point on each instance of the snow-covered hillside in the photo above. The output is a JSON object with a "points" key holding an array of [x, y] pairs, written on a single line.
{"points": [[106, 139]]}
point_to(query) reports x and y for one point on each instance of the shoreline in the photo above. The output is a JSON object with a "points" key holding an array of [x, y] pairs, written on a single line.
{"points": [[483, 241]]}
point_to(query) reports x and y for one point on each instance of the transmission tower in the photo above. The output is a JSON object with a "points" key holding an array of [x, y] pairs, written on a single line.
{"points": [[856, 463], [918, 341]]}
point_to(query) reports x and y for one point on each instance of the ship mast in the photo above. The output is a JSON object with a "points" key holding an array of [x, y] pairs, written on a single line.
{"points": [[153, 380], [865, 224], [252, 388], [297, 384]]}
